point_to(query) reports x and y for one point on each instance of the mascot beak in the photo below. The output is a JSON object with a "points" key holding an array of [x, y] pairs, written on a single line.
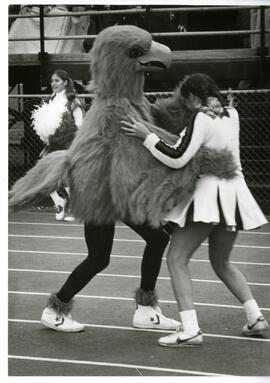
{"points": [[159, 57]]}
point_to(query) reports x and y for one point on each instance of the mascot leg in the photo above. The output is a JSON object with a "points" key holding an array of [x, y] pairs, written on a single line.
{"points": [[99, 240], [57, 316], [147, 313]]}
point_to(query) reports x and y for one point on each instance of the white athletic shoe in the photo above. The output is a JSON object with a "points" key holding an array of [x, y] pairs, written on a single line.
{"points": [[148, 317], [69, 218], [157, 309], [181, 338], [256, 328], [60, 210], [63, 323]]}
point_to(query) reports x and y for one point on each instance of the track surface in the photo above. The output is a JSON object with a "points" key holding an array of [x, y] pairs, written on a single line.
{"points": [[41, 254]]}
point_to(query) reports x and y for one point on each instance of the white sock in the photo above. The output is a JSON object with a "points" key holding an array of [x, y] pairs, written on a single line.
{"points": [[189, 321], [252, 310], [57, 199]]}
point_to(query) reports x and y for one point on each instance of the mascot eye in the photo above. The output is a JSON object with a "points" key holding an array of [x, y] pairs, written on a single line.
{"points": [[134, 53]]}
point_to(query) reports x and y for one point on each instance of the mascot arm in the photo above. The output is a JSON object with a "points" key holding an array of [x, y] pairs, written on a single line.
{"points": [[177, 156]]}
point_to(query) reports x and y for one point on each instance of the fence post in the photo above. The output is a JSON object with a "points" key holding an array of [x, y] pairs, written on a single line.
{"points": [[262, 49], [20, 101], [43, 56], [148, 18]]}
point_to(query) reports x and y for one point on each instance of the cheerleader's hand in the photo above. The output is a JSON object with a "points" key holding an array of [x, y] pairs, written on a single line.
{"points": [[135, 128]]}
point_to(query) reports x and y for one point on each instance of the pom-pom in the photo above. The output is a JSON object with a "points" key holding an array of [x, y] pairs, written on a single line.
{"points": [[46, 118]]}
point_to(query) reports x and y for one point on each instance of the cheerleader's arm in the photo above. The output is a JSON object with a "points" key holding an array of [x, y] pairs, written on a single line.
{"points": [[78, 116], [177, 156]]}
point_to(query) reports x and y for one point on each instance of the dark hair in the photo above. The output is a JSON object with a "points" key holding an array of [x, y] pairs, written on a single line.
{"points": [[70, 89], [201, 85]]}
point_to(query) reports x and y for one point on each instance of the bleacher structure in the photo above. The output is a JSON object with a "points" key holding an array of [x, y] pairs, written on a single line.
{"points": [[226, 55]]}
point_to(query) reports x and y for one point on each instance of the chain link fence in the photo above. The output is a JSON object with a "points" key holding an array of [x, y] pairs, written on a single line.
{"points": [[253, 107]]}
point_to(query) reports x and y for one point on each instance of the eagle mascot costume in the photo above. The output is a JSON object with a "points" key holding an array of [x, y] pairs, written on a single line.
{"points": [[111, 175]]}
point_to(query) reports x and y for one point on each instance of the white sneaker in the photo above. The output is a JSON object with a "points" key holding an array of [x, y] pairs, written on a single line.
{"points": [[256, 328], [180, 338], [157, 309], [148, 317], [69, 218], [63, 323], [60, 210]]}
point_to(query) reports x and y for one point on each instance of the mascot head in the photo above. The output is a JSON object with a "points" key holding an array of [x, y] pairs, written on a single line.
{"points": [[120, 56]]}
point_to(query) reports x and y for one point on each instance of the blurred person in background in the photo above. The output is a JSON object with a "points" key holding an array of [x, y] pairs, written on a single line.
{"points": [[56, 122]]}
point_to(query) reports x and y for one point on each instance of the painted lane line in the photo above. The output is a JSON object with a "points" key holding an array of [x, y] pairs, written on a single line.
{"points": [[115, 240], [59, 224], [45, 224], [119, 365], [65, 237], [126, 256], [47, 237], [126, 328], [235, 262], [132, 299], [117, 226], [45, 252], [127, 276]]}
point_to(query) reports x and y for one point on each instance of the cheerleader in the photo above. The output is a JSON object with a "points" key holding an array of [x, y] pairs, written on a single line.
{"points": [[56, 122], [217, 209]]}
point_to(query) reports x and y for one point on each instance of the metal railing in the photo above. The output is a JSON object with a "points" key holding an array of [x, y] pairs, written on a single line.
{"points": [[148, 12]]}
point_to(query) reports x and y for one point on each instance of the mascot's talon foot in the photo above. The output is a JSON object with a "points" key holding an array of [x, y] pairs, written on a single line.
{"points": [[148, 317], [60, 322]]}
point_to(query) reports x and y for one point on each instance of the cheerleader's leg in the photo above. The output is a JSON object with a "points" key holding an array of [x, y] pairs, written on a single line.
{"points": [[69, 217], [60, 204], [221, 243]]}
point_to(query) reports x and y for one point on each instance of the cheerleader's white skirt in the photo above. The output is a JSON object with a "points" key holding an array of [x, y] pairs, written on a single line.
{"points": [[215, 201]]}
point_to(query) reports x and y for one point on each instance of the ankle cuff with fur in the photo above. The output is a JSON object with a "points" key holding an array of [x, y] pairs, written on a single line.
{"points": [[59, 306], [146, 298]]}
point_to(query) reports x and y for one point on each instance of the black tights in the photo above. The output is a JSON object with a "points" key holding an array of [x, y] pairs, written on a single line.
{"points": [[99, 240]]}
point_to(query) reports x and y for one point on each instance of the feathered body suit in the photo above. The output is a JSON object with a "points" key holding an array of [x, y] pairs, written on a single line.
{"points": [[111, 175]]}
